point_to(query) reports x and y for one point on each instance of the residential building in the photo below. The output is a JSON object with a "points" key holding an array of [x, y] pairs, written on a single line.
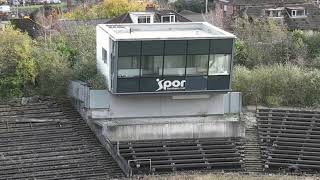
{"points": [[149, 16], [296, 14]]}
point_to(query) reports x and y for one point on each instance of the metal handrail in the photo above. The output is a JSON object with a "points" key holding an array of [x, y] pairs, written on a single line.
{"points": [[135, 160]]}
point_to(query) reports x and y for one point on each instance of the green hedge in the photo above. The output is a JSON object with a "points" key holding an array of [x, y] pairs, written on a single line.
{"points": [[278, 85]]}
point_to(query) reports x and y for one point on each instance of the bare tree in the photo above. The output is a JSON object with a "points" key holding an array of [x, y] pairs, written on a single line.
{"points": [[214, 17]]}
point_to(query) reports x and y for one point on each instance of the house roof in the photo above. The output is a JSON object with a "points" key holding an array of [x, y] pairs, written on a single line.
{"points": [[255, 8], [266, 2], [125, 18], [193, 16]]}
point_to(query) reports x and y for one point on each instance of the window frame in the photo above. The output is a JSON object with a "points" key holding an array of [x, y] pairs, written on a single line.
{"points": [[228, 65], [146, 18], [185, 65], [295, 13], [170, 16], [151, 75], [207, 65], [138, 65]]}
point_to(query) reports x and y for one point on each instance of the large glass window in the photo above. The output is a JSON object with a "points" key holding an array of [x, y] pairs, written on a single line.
{"points": [[128, 66], [174, 65], [197, 64], [151, 66], [219, 64]]}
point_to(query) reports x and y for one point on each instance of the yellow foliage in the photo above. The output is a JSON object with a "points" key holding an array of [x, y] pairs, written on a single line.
{"points": [[105, 9]]}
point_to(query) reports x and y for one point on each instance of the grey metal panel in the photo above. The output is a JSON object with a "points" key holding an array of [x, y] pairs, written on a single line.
{"points": [[232, 102], [80, 91], [99, 99]]}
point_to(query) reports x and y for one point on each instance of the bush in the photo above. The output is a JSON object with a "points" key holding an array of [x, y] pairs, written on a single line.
{"points": [[54, 71], [17, 65], [275, 85]]}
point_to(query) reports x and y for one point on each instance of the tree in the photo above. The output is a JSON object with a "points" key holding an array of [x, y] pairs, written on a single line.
{"points": [[105, 9], [263, 42], [192, 5]]}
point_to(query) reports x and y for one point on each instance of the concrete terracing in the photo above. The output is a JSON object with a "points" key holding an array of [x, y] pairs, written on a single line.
{"points": [[46, 140]]}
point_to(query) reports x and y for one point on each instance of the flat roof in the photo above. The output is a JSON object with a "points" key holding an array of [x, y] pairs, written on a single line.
{"points": [[165, 31]]}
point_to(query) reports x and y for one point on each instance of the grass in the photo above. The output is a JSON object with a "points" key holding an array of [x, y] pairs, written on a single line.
{"points": [[31, 8], [61, 5], [228, 176]]}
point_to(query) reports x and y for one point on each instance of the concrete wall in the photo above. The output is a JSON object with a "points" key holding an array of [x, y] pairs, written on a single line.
{"points": [[174, 129], [160, 106], [101, 104]]}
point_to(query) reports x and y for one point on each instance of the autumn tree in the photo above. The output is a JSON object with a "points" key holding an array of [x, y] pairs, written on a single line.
{"points": [[105, 9]]}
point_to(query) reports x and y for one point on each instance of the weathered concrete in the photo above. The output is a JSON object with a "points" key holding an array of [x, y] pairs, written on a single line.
{"points": [[160, 106], [172, 128]]}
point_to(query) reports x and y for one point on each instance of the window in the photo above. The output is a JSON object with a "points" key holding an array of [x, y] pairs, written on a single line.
{"points": [[128, 66], [144, 19], [225, 8], [174, 65], [104, 56], [151, 66], [197, 64], [298, 12], [219, 64], [273, 13], [168, 18]]}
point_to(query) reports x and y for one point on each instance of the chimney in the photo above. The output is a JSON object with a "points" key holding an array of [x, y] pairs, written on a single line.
{"points": [[150, 7]]}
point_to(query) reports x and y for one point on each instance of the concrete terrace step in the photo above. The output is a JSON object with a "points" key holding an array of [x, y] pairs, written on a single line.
{"points": [[51, 150], [252, 158]]}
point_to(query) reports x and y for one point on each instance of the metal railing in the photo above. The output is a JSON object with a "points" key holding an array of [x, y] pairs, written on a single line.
{"points": [[137, 160]]}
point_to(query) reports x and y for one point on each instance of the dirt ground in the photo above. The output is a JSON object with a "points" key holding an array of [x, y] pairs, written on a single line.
{"points": [[227, 176]]}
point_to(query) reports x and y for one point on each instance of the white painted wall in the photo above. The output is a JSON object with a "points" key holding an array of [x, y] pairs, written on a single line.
{"points": [[103, 41], [134, 16]]}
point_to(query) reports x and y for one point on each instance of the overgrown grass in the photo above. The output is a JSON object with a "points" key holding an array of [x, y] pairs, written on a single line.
{"points": [[31, 8], [278, 85]]}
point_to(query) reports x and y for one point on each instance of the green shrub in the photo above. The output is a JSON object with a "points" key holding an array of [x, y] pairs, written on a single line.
{"points": [[275, 85], [17, 65], [54, 71]]}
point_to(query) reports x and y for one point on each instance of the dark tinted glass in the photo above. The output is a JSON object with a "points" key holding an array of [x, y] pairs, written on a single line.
{"points": [[218, 82], [128, 85], [129, 48], [198, 47], [221, 46], [152, 47], [175, 47]]}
